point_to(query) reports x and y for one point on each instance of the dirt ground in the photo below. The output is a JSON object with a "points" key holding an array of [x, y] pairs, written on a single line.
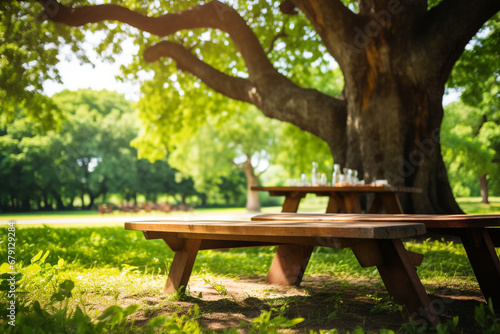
{"points": [[325, 302]]}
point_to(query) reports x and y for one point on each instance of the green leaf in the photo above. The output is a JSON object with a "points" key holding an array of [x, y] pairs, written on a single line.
{"points": [[66, 287], [112, 315], [158, 322], [37, 257], [129, 310], [38, 309], [45, 256], [57, 296], [5, 268], [34, 267]]}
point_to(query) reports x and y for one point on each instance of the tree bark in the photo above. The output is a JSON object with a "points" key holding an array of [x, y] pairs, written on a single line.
{"points": [[483, 182], [253, 203], [396, 56]]}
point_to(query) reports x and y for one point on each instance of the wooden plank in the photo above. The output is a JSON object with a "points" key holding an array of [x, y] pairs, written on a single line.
{"points": [[182, 265], [340, 229], [267, 240], [323, 189], [430, 221], [225, 244]]}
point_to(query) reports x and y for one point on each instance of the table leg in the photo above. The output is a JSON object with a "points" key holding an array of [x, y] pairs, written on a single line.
{"points": [[387, 201], [494, 233], [290, 261], [182, 265], [484, 261], [292, 201], [352, 203], [399, 276], [289, 264], [335, 204]]}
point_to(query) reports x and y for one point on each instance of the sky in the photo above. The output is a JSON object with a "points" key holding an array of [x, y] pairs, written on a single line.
{"points": [[102, 76]]}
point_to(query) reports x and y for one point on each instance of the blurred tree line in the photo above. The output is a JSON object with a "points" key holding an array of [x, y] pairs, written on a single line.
{"points": [[88, 157]]}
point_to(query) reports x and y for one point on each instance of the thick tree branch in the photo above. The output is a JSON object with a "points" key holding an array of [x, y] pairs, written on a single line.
{"points": [[275, 95], [448, 27], [333, 21], [214, 15], [232, 87]]}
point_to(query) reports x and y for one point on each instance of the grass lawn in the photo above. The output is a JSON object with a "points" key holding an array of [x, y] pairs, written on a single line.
{"points": [[105, 279], [473, 205]]}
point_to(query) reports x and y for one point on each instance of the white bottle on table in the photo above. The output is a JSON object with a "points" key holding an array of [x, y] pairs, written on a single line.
{"points": [[314, 176], [336, 174]]}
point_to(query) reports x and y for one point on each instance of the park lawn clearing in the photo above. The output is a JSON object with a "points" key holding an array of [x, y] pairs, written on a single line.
{"points": [[111, 267]]}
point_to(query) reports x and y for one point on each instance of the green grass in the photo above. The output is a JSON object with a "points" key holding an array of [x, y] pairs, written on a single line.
{"points": [[473, 205], [470, 205], [109, 266], [109, 262]]}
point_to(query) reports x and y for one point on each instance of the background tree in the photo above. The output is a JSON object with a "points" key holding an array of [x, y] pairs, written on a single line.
{"points": [[476, 76], [469, 149], [96, 135], [242, 139], [395, 56]]}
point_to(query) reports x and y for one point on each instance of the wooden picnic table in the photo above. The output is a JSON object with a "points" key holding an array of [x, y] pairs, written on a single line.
{"points": [[374, 244], [290, 261], [480, 234], [344, 199]]}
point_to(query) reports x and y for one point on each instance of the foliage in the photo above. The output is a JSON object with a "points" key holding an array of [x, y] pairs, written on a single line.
{"points": [[477, 73], [30, 50], [64, 270], [90, 156], [469, 144], [471, 129]]}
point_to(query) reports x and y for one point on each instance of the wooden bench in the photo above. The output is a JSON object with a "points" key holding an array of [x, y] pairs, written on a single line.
{"points": [[479, 235], [374, 244]]}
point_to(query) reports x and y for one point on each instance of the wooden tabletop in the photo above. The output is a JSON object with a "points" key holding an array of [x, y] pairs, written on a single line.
{"points": [[338, 229], [325, 189], [430, 221]]}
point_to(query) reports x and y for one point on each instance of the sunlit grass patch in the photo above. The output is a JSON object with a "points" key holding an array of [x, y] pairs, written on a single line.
{"points": [[473, 205]]}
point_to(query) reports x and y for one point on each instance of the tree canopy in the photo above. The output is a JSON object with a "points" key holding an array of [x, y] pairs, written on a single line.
{"points": [[395, 58]]}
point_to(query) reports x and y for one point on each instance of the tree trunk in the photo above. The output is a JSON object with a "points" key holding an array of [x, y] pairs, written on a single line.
{"points": [[394, 114], [253, 203], [395, 136], [483, 182], [59, 201]]}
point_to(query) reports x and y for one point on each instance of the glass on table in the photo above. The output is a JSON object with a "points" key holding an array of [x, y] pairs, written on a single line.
{"points": [[303, 180]]}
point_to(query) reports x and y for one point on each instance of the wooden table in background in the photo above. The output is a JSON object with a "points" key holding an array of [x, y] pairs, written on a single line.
{"points": [[479, 235], [343, 199], [290, 261]]}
